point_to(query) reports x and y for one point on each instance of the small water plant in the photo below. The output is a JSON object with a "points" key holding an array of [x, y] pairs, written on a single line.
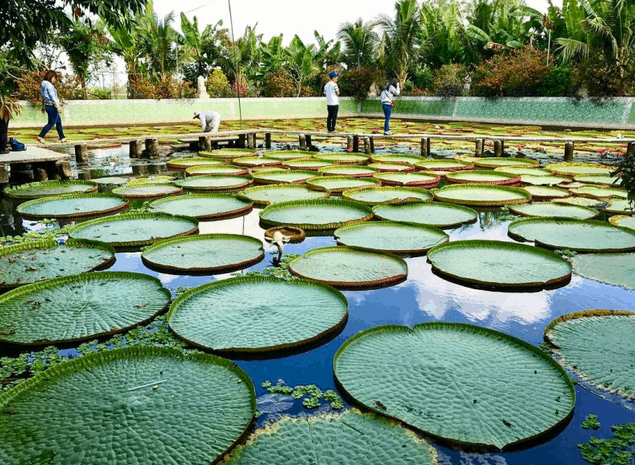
{"points": [[617, 450], [591, 422], [310, 394]]}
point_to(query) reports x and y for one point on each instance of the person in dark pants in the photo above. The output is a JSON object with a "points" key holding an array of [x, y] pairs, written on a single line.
{"points": [[387, 102], [4, 129], [51, 105], [331, 90]]}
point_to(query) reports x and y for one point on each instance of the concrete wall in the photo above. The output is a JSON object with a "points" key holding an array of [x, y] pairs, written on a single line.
{"points": [[618, 113]]}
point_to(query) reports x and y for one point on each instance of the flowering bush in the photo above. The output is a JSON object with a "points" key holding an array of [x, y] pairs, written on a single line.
{"points": [[217, 84], [68, 88], [278, 84]]}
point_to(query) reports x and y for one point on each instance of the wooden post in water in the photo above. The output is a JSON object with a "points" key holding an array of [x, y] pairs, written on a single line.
{"points": [[268, 140], [63, 169], [135, 148], [4, 174], [355, 143], [204, 143], [241, 141], [480, 146], [81, 153], [630, 149], [152, 147], [499, 148], [307, 138], [568, 151], [254, 141], [302, 141], [425, 147], [367, 145], [349, 143]]}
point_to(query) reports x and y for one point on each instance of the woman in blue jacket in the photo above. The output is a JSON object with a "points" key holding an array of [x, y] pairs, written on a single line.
{"points": [[51, 105]]}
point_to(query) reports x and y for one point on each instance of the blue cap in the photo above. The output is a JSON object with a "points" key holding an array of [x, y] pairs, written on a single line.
{"points": [[333, 74]]}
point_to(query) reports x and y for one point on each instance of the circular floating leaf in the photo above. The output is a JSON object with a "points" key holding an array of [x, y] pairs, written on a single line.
{"points": [[621, 206], [204, 170], [576, 169], [72, 206], [203, 254], [203, 206], [423, 180], [163, 180], [110, 183], [79, 307], [36, 190], [229, 154], [183, 163], [466, 384], [310, 164], [495, 162], [555, 210], [437, 214], [600, 192], [444, 165], [218, 182], [147, 191], [542, 180], [580, 201], [348, 268], [262, 196], [282, 176], [392, 167], [395, 158], [578, 235], [131, 230], [294, 235], [623, 220], [280, 314], [348, 438], [251, 162], [338, 184], [500, 265], [482, 177], [179, 408], [342, 158], [593, 344], [547, 193], [524, 170], [316, 214], [30, 262], [387, 194], [617, 269], [599, 179], [482, 195], [288, 154], [347, 170], [389, 236]]}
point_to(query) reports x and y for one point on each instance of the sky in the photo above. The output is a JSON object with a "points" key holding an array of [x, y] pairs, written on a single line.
{"points": [[289, 17]]}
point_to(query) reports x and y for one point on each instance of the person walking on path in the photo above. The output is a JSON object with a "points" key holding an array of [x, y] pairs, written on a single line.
{"points": [[332, 103], [210, 120], [52, 106], [387, 102]]}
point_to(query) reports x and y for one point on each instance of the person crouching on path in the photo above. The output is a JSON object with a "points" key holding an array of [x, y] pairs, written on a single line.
{"points": [[210, 120], [51, 105], [387, 96], [332, 103]]}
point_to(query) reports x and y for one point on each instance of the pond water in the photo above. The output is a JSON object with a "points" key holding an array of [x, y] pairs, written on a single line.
{"points": [[423, 297]]}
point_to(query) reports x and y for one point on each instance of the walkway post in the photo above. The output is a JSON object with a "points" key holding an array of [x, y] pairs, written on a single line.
{"points": [[568, 151]]}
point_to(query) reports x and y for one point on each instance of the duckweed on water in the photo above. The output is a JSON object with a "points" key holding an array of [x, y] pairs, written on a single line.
{"points": [[281, 271], [591, 422], [313, 392], [617, 451]]}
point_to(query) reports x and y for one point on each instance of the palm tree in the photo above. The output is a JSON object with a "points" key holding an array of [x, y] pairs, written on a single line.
{"points": [[158, 42], [443, 34], [301, 62], [360, 43]]}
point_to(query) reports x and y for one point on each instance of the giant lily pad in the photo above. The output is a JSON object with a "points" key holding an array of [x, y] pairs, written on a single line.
{"points": [[555, 210], [147, 191], [482, 177], [577, 169], [542, 180], [482, 195], [547, 192], [262, 196], [217, 182], [437, 214], [179, 408], [149, 180], [342, 158], [348, 438], [72, 206], [443, 165], [39, 260], [349, 268], [531, 170], [282, 176], [423, 180], [203, 206], [500, 265], [396, 158], [36, 190], [279, 314], [581, 202], [617, 269], [578, 235], [596, 345], [624, 221], [79, 307], [375, 195], [288, 154], [601, 179], [131, 230], [203, 254], [347, 170], [388, 236], [392, 167], [206, 170], [463, 383], [621, 206], [228, 154], [183, 163], [310, 164], [496, 162], [316, 214], [597, 192], [252, 162], [338, 184]]}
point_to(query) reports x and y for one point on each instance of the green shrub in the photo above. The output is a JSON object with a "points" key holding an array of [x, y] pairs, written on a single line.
{"points": [[450, 80], [559, 83], [68, 88], [100, 93], [356, 82], [217, 84], [278, 84]]}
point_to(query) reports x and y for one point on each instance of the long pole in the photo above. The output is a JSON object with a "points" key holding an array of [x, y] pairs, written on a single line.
{"points": [[231, 23]]}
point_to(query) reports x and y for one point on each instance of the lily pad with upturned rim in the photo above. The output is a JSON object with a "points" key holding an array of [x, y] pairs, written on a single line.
{"points": [[316, 214], [547, 192], [147, 191], [228, 154], [252, 162], [581, 202], [597, 192], [554, 210], [36, 190], [397, 158], [577, 169], [623, 221], [350, 268], [482, 195], [621, 206], [482, 177], [385, 167], [342, 158], [203, 206], [423, 180], [293, 234], [282, 176], [443, 165], [183, 163], [497, 162], [72, 206], [288, 154], [577, 235], [261, 196], [436, 214], [522, 170], [279, 314], [617, 269], [352, 171], [79, 307], [206, 170], [376, 195], [338, 184], [180, 408], [212, 182], [601, 179], [541, 180], [310, 164], [203, 254], [500, 265]]}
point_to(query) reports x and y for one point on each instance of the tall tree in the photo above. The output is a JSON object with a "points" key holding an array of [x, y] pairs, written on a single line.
{"points": [[301, 62], [158, 41], [360, 43]]}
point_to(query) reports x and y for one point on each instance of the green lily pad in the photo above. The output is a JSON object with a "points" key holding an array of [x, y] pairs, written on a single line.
{"points": [[35, 190], [310, 164], [288, 154], [183, 163], [624, 221], [282, 176], [280, 314], [617, 269], [179, 408], [348, 268], [109, 183], [72, 206], [397, 158], [252, 162], [621, 206], [577, 235], [500, 265], [262, 196], [580, 201], [348, 438], [482, 177], [338, 184], [482, 195], [496, 162], [389, 236], [203, 254], [149, 180], [342, 158], [524, 170], [376, 195], [30, 262], [347, 170], [228, 154], [463, 383], [206, 170], [577, 169], [601, 179], [214, 182], [147, 191], [423, 180], [315, 214], [554, 210], [203, 206], [132, 230], [547, 192], [444, 165], [79, 307], [436, 214], [542, 180], [392, 167], [600, 192], [596, 345]]}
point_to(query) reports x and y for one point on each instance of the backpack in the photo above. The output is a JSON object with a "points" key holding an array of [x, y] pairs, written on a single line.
{"points": [[16, 145]]}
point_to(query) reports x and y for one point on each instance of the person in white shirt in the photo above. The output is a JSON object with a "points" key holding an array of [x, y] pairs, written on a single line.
{"points": [[387, 96], [331, 90], [210, 120]]}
